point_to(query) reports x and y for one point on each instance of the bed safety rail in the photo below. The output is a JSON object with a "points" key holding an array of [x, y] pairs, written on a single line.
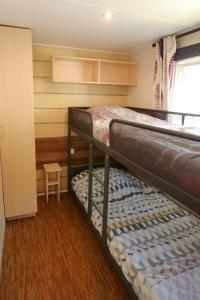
{"points": [[129, 151], [81, 121], [165, 114]]}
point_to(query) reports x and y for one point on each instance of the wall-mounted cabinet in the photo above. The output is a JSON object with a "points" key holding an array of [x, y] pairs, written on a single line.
{"points": [[96, 71]]}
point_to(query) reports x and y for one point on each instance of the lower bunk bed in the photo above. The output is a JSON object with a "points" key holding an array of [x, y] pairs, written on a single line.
{"points": [[154, 241]]}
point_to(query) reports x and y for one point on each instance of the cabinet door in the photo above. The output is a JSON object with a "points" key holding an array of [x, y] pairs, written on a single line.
{"points": [[17, 116]]}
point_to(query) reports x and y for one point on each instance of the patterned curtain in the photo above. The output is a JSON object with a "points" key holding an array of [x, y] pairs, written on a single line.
{"points": [[164, 66]]}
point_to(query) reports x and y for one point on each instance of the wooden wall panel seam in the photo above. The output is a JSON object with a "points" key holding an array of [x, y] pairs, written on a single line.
{"points": [[40, 60], [51, 108], [81, 94], [40, 123], [42, 77]]}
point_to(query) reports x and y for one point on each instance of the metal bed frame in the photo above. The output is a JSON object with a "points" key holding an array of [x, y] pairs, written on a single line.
{"points": [[80, 122]]}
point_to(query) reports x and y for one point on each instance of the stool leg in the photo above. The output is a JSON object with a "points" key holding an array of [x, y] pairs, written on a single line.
{"points": [[47, 188], [59, 186]]}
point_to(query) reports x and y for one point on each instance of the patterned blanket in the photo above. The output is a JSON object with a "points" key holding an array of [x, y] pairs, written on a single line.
{"points": [[155, 242]]}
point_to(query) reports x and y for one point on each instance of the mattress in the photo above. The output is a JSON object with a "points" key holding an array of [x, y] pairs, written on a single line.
{"points": [[102, 116], [175, 159], [154, 241]]}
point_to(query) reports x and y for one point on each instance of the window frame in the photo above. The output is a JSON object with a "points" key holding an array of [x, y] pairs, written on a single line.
{"points": [[187, 52]]}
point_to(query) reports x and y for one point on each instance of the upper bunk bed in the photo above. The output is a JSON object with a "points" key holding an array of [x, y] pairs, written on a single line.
{"points": [[166, 155]]}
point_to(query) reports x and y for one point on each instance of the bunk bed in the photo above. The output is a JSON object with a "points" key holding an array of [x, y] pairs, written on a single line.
{"points": [[122, 221]]}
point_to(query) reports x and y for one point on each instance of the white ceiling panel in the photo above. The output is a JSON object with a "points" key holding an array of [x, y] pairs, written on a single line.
{"points": [[79, 23]]}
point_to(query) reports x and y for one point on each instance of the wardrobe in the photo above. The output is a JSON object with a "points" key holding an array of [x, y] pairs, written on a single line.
{"points": [[17, 119]]}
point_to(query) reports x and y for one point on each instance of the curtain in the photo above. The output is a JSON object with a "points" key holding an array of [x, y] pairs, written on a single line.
{"points": [[163, 73]]}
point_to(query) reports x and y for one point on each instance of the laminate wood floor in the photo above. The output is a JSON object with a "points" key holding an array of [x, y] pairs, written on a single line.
{"points": [[55, 255]]}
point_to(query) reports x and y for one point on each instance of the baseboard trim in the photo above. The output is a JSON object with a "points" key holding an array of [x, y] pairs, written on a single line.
{"points": [[20, 217]]}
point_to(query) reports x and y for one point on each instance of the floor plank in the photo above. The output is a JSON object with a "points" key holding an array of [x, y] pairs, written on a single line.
{"points": [[56, 256]]}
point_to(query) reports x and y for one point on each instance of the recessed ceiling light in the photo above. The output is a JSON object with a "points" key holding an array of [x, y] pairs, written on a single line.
{"points": [[108, 15]]}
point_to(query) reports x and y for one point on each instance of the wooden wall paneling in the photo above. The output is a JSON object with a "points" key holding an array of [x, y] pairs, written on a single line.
{"points": [[133, 74], [54, 115], [64, 101], [41, 69], [18, 148], [50, 130], [52, 100], [50, 150], [46, 86]]}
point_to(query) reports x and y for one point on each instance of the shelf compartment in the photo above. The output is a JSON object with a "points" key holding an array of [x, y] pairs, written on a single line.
{"points": [[75, 70], [114, 72]]}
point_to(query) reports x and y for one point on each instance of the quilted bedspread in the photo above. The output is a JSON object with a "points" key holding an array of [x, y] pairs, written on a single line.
{"points": [[154, 241], [102, 116]]}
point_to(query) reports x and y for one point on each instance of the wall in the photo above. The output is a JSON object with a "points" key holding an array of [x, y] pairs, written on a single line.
{"points": [[53, 99], [141, 95]]}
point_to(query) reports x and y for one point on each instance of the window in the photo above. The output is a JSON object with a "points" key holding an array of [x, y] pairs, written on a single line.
{"points": [[186, 89]]}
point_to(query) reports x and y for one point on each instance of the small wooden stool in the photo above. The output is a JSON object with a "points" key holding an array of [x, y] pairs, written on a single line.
{"points": [[52, 175]]}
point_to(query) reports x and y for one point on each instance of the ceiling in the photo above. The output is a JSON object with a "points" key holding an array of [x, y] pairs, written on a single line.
{"points": [[79, 23]]}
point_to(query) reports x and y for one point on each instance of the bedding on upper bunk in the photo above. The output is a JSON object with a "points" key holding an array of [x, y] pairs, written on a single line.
{"points": [[154, 241], [102, 116], [170, 157]]}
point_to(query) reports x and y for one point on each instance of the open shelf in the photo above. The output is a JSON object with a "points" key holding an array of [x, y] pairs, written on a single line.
{"points": [[96, 71], [123, 73], [74, 69]]}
